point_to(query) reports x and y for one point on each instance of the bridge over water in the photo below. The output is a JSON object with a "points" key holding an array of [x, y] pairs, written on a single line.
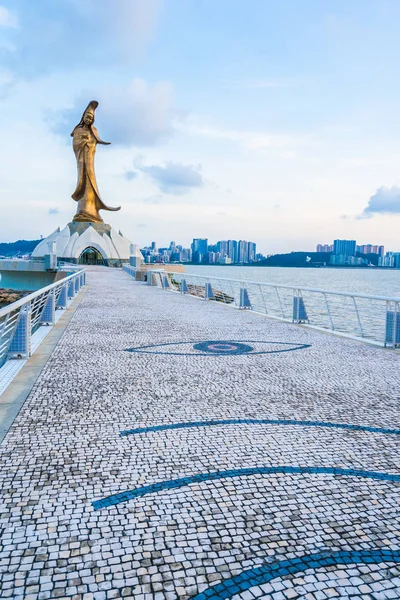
{"points": [[176, 448]]}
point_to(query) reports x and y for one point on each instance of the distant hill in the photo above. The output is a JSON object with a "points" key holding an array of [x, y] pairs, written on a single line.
{"points": [[295, 259], [18, 248]]}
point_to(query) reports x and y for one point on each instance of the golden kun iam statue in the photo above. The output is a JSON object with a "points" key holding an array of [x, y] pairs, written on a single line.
{"points": [[85, 139]]}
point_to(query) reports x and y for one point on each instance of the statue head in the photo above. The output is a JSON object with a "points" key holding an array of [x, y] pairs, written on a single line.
{"points": [[88, 116], [87, 120]]}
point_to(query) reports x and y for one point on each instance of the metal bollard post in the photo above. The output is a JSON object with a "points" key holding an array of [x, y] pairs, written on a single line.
{"points": [[63, 297], [21, 342], [244, 302], [71, 289], [48, 315], [299, 310], [208, 292]]}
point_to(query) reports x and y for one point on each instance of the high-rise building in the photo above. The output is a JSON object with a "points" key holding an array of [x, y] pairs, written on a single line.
{"points": [[344, 247], [232, 250], [199, 249], [324, 248], [252, 252], [371, 249]]}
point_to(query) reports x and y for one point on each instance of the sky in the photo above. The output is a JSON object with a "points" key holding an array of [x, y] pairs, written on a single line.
{"points": [[275, 122]]}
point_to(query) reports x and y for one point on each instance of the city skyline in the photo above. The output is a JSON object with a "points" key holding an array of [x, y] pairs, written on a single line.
{"points": [[223, 252], [256, 122]]}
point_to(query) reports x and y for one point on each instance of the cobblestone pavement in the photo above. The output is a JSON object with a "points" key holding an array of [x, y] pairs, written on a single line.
{"points": [[177, 448]]}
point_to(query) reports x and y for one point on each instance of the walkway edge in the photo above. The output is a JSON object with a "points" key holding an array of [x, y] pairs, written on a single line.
{"points": [[13, 398]]}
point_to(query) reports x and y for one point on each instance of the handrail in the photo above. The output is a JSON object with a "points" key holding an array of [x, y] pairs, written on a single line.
{"points": [[364, 317], [289, 287], [20, 320], [18, 303]]}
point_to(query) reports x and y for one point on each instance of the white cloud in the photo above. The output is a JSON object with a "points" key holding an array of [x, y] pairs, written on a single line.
{"points": [[175, 178], [257, 84], [384, 201], [133, 22], [251, 140], [136, 114], [7, 18]]}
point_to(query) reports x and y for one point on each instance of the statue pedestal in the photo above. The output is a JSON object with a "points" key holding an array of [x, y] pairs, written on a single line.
{"points": [[79, 237]]}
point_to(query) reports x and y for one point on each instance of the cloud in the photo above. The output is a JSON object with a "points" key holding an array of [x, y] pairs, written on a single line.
{"points": [[384, 201], [153, 199], [251, 140], [81, 33], [136, 114], [129, 175], [175, 178], [141, 225], [53, 211], [257, 84], [7, 18]]}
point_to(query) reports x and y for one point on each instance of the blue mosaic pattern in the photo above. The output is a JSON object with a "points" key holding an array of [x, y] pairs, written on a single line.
{"points": [[200, 477], [191, 424], [223, 347], [203, 348], [261, 575]]}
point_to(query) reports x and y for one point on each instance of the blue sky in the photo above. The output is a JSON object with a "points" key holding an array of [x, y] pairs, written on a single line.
{"points": [[269, 121]]}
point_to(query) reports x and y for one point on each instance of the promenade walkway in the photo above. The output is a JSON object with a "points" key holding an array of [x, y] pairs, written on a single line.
{"points": [[177, 448]]}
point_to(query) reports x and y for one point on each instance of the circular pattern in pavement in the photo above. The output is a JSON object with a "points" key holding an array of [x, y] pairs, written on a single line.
{"points": [[223, 347]]}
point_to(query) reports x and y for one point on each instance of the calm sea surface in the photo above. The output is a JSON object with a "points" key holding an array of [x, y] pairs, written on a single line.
{"points": [[376, 282]]}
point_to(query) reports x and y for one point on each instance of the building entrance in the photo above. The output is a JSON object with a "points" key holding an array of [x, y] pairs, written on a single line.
{"points": [[91, 256]]}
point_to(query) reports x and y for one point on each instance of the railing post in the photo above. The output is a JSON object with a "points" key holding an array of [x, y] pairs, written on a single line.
{"points": [[71, 289], [392, 334], [329, 312], [299, 310], [76, 282], [63, 297], [280, 302], [244, 300], [48, 316], [184, 287], [165, 282], [21, 341], [208, 292]]}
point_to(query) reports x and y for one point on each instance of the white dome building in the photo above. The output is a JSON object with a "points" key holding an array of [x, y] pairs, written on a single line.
{"points": [[89, 243]]}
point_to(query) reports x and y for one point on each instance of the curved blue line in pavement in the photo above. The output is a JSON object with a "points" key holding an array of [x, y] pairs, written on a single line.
{"points": [[200, 477], [267, 572], [191, 424]]}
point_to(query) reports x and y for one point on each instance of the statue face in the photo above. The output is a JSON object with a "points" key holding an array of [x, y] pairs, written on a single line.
{"points": [[88, 118]]}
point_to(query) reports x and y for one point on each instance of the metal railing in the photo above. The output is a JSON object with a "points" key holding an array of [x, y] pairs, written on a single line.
{"points": [[21, 319], [375, 319]]}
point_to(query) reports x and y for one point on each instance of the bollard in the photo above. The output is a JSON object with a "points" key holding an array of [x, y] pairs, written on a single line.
{"points": [[208, 292], [48, 315], [299, 310], [392, 329], [71, 289], [63, 297], [21, 341], [244, 303], [184, 287]]}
